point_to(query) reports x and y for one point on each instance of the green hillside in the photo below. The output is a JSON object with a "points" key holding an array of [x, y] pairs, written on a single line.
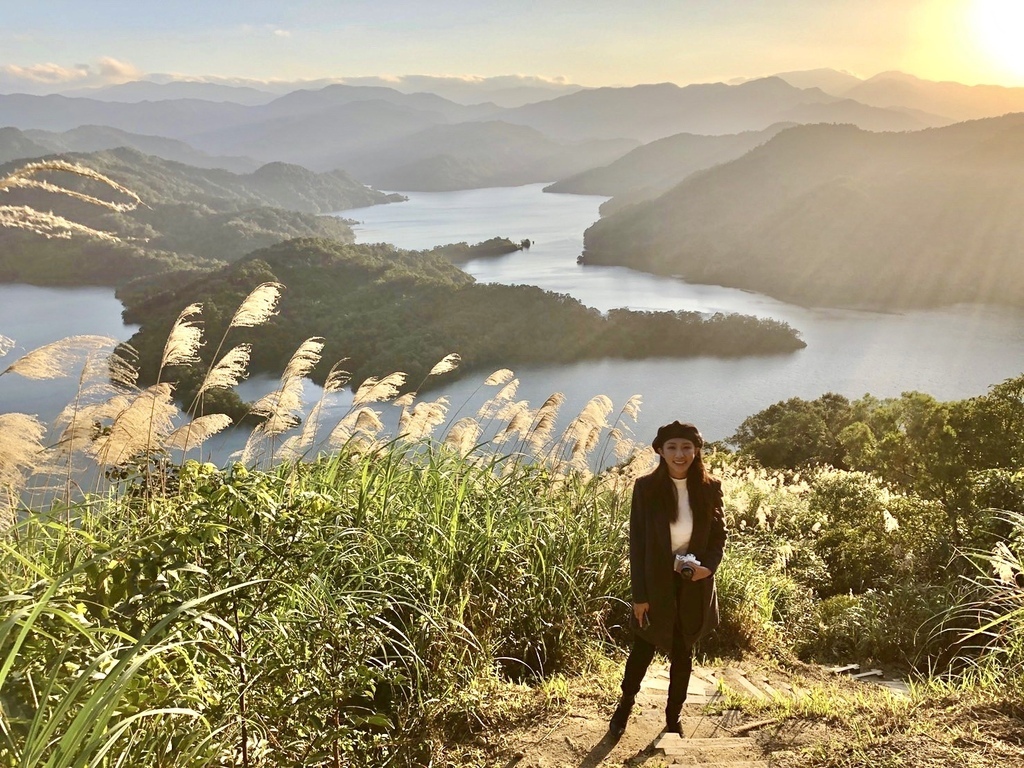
{"points": [[833, 215], [655, 168], [190, 216], [387, 310]]}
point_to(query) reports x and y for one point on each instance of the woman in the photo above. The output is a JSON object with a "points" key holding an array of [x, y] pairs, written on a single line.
{"points": [[677, 511]]}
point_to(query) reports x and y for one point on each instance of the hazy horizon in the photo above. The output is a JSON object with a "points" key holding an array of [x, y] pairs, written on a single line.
{"points": [[54, 46]]}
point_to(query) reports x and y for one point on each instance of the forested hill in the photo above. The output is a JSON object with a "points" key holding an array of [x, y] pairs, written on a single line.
{"points": [[277, 185], [387, 310], [190, 217], [655, 168], [831, 215]]}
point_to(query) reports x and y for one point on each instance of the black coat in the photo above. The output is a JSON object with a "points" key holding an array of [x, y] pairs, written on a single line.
{"points": [[652, 577]]}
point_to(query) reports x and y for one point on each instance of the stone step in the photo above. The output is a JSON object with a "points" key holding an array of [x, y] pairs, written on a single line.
{"points": [[740, 684], [722, 764], [704, 750]]}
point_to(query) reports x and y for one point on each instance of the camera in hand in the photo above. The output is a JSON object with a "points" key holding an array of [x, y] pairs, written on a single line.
{"points": [[685, 564]]}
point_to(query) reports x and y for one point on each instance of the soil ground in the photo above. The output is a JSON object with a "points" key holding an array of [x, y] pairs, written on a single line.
{"points": [[747, 716]]}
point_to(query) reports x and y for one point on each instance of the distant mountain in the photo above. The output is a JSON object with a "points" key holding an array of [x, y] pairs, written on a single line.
{"points": [[505, 91], [651, 112], [958, 101], [833, 215], [655, 168], [15, 145], [176, 118], [96, 138], [864, 116], [471, 155], [832, 81], [146, 90]]}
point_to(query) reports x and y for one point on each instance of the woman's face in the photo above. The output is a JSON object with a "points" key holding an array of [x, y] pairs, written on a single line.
{"points": [[678, 454]]}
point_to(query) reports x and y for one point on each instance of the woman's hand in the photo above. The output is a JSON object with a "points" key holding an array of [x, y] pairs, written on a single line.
{"points": [[640, 610], [700, 572]]}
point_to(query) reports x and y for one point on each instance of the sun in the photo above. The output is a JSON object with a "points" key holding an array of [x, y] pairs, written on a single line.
{"points": [[999, 29]]}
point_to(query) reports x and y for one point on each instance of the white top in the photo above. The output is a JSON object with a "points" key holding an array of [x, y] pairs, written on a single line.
{"points": [[682, 529]]}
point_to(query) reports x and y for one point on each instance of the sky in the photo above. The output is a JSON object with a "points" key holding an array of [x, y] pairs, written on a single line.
{"points": [[53, 45]]}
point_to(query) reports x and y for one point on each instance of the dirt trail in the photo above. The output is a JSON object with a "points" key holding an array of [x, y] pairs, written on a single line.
{"points": [[723, 740]]}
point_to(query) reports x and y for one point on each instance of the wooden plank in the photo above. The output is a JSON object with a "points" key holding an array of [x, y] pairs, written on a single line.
{"points": [[869, 673], [746, 687], [845, 669], [672, 741]]}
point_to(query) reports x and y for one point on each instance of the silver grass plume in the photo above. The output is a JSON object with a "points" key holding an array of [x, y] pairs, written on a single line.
{"points": [[499, 377], [282, 408], [228, 371], [254, 441], [375, 390], [184, 340], [48, 225], [23, 179], [362, 421], [584, 433], [405, 401], [57, 359], [517, 417], [258, 307], [337, 379], [491, 408], [446, 365], [84, 421], [192, 435], [632, 407], [544, 422], [424, 418], [140, 428], [463, 435], [21, 448], [6, 345]]}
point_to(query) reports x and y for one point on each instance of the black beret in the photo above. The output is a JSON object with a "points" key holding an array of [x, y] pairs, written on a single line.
{"points": [[675, 429]]}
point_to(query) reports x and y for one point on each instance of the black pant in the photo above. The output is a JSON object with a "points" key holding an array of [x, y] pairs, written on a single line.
{"points": [[690, 614], [639, 660]]}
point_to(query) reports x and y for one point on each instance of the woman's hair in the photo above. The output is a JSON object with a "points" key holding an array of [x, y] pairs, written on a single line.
{"points": [[697, 475]]}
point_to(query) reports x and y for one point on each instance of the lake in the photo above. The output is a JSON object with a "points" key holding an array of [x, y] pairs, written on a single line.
{"points": [[951, 353]]}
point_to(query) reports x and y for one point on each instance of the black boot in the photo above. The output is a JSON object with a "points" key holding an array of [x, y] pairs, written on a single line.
{"points": [[617, 725], [672, 723]]}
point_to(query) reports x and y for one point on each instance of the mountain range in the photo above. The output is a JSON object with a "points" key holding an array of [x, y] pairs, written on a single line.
{"points": [[834, 215], [425, 141]]}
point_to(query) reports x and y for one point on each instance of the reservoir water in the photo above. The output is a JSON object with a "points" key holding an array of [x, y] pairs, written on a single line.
{"points": [[952, 353]]}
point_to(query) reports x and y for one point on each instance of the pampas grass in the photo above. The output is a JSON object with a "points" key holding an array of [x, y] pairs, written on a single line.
{"points": [[21, 446], [228, 371], [375, 390], [141, 428], [258, 307], [57, 359], [196, 432], [24, 178], [446, 365], [184, 340], [6, 345], [49, 225]]}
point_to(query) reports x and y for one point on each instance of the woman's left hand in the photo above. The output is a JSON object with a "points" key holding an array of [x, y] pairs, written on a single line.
{"points": [[700, 572]]}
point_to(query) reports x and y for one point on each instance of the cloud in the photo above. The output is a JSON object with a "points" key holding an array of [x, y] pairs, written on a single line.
{"points": [[282, 33], [43, 78], [112, 70], [45, 73]]}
